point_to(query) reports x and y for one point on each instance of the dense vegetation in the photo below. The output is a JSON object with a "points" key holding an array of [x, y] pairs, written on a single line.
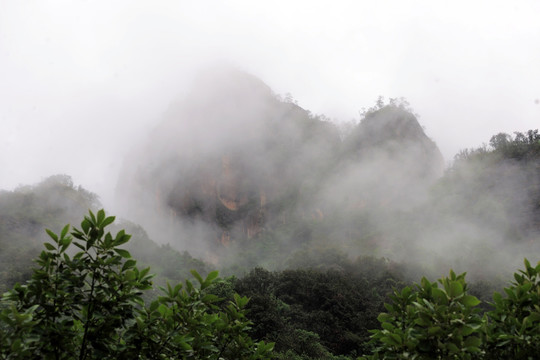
{"points": [[504, 177], [89, 306], [323, 231], [432, 322], [331, 309], [28, 210]]}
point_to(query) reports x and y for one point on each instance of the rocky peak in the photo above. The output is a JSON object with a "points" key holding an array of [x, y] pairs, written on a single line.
{"points": [[395, 132]]}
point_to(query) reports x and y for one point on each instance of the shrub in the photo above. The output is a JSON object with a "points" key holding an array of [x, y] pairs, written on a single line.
{"points": [[513, 330], [430, 322], [89, 306]]}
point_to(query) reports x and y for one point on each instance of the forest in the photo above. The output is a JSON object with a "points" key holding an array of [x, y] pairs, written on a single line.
{"points": [[250, 228]]}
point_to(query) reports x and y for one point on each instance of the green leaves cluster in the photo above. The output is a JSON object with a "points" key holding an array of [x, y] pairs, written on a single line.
{"points": [[88, 305], [443, 322], [430, 322], [186, 320], [513, 330]]}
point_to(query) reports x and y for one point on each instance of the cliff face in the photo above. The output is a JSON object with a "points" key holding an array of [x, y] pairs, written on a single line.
{"points": [[226, 156], [241, 161]]}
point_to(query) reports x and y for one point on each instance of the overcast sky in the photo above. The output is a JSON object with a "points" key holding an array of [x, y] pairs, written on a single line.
{"points": [[82, 81]]}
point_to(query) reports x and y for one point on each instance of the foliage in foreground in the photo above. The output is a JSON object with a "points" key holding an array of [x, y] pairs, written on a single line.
{"points": [[432, 322], [88, 305]]}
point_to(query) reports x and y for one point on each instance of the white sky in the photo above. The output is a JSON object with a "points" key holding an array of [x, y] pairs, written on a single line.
{"points": [[82, 81]]}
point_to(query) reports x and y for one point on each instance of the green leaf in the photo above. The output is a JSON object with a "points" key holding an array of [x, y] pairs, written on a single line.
{"points": [[433, 330], [497, 297], [92, 218], [100, 217], [453, 348], [130, 275], [384, 317], [510, 293], [426, 284], [197, 276], [121, 238], [49, 246], [143, 272], [189, 286], [123, 253], [209, 298], [389, 340], [212, 275], [241, 301], [396, 338], [456, 289], [129, 264], [85, 225], [473, 341], [64, 231], [533, 318], [470, 301], [526, 287], [472, 349], [439, 296], [109, 220], [162, 309], [153, 306], [65, 244], [527, 263], [185, 346], [177, 289], [467, 330], [52, 235]]}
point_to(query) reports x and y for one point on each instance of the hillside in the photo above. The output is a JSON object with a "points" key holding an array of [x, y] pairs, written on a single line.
{"points": [[316, 227], [27, 211], [234, 163]]}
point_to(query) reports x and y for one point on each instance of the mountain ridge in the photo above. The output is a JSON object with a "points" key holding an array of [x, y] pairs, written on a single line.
{"points": [[239, 159]]}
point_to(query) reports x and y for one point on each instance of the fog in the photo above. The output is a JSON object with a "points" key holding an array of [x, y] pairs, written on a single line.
{"points": [[240, 176], [131, 99], [82, 82]]}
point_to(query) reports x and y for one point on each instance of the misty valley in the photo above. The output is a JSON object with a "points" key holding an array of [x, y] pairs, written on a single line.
{"points": [[328, 239]]}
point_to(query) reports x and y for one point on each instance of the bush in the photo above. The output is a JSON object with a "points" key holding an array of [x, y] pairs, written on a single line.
{"points": [[89, 306], [428, 322], [513, 331]]}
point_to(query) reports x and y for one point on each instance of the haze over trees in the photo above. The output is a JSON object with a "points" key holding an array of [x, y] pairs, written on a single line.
{"points": [[318, 225]]}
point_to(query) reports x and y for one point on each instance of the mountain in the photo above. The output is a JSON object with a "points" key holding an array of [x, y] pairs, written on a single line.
{"points": [[27, 211], [233, 161], [394, 130], [498, 186]]}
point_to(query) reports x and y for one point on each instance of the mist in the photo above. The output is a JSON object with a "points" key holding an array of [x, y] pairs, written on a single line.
{"points": [[86, 80], [241, 177], [119, 96]]}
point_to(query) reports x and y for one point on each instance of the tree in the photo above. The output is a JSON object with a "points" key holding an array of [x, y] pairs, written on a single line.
{"points": [[89, 306], [428, 322], [513, 331], [500, 141]]}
